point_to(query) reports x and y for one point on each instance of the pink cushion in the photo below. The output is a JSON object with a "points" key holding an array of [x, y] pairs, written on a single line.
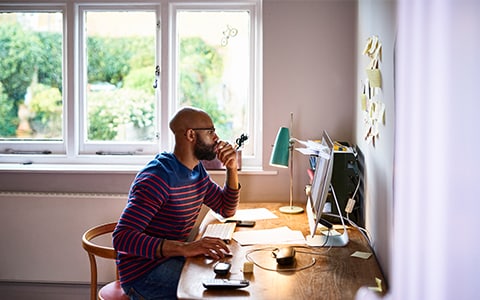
{"points": [[112, 291]]}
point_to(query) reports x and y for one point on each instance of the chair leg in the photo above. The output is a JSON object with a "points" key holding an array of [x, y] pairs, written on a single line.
{"points": [[93, 277]]}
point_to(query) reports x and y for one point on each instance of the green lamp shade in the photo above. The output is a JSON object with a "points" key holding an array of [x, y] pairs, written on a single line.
{"points": [[280, 152]]}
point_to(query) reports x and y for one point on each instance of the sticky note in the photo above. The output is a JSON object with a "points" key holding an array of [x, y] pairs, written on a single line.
{"points": [[360, 254], [377, 288], [375, 77], [366, 50], [363, 99]]}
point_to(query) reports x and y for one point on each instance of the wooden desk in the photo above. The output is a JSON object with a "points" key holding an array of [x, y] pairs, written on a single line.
{"points": [[335, 275]]}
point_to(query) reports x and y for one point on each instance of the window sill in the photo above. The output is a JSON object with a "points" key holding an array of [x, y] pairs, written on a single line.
{"points": [[103, 168]]}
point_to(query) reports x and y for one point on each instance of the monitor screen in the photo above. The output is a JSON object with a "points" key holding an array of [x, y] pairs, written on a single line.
{"points": [[320, 183]]}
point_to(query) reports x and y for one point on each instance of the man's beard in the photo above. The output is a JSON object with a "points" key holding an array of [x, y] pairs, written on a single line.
{"points": [[203, 151]]}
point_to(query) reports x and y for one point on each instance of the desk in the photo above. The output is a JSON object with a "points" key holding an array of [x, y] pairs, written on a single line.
{"points": [[335, 275]]}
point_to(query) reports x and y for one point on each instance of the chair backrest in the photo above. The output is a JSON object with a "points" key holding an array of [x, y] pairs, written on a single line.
{"points": [[97, 250]]}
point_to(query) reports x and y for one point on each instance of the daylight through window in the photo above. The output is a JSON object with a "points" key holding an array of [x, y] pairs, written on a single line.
{"points": [[97, 82]]}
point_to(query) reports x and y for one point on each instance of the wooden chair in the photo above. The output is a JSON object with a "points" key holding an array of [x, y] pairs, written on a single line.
{"points": [[112, 290]]}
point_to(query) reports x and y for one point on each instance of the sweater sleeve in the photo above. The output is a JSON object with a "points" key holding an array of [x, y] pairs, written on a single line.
{"points": [[129, 235], [223, 201]]}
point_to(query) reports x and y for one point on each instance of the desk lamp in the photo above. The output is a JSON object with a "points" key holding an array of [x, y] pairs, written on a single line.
{"points": [[282, 156]]}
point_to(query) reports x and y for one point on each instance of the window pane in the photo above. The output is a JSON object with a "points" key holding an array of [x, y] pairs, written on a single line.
{"points": [[120, 71], [214, 66], [31, 100]]}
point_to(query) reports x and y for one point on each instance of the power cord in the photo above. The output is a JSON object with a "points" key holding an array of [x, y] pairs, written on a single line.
{"points": [[362, 230], [273, 249], [249, 258]]}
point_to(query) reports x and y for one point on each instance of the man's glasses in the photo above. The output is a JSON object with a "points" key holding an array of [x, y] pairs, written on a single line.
{"points": [[211, 130]]}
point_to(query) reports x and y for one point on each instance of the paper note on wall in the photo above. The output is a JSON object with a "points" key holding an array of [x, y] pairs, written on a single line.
{"points": [[372, 104], [375, 77]]}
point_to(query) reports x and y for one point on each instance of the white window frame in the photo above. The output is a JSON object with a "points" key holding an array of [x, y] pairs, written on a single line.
{"points": [[255, 103], [56, 147], [90, 148], [71, 150]]}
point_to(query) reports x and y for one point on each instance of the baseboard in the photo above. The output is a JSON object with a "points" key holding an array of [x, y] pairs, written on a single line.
{"points": [[43, 291]]}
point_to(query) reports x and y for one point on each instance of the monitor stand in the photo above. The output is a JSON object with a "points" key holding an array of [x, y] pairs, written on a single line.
{"points": [[330, 240]]}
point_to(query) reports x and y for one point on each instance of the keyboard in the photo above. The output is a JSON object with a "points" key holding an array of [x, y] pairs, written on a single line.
{"points": [[223, 231]]}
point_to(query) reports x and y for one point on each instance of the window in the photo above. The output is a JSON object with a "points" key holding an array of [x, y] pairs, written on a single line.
{"points": [[119, 111], [97, 83], [31, 79]]}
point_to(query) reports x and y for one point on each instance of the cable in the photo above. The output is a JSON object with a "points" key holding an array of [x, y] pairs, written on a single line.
{"points": [[356, 189], [272, 249], [329, 234], [354, 193], [362, 230], [309, 252], [353, 196]]}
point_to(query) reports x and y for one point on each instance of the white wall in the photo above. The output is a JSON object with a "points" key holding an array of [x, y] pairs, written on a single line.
{"points": [[41, 235], [378, 18], [434, 248]]}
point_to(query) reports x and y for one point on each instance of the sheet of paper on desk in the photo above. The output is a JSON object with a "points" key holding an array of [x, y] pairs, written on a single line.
{"points": [[280, 235], [251, 214]]}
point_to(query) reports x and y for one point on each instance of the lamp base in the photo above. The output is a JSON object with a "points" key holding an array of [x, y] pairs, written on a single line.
{"points": [[291, 209]]}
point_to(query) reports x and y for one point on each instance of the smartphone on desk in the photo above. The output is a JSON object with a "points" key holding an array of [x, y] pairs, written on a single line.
{"points": [[242, 223]]}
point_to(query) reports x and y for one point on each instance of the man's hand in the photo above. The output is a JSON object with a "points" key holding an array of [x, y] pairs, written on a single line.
{"points": [[214, 248], [227, 155]]}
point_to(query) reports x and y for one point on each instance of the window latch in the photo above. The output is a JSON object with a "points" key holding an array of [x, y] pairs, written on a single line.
{"points": [[13, 151], [157, 77], [114, 153]]}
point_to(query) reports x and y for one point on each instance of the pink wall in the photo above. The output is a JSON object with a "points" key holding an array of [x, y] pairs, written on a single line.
{"points": [[309, 69]]}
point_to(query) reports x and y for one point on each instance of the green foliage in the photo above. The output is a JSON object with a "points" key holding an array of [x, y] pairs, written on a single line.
{"points": [[142, 52], [46, 107], [102, 124], [201, 68], [123, 62], [107, 62], [141, 79], [50, 59], [111, 59], [8, 113], [110, 109], [23, 55], [18, 57]]}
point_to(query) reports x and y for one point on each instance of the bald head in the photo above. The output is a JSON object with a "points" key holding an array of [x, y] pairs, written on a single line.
{"points": [[189, 117]]}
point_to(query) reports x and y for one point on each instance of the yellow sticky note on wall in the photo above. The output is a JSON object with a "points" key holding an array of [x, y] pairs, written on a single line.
{"points": [[375, 77], [368, 44], [363, 100]]}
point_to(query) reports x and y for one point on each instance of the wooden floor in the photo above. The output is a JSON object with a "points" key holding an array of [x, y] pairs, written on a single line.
{"points": [[44, 291]]}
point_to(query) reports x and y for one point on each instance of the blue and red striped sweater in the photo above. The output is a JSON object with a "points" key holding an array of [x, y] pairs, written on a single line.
{"points": [[164, 201]]}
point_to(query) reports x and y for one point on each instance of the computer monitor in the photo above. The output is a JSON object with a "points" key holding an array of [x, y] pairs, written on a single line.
{"points": [[321, 184]]}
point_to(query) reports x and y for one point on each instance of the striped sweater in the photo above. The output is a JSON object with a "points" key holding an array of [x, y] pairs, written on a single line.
{"points": [[164, 201]]}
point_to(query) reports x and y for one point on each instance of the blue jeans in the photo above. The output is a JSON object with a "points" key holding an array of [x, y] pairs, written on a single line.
{"points": [[160, 283]]}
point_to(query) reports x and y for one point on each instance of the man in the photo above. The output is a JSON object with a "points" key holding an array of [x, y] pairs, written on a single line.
{"points": [[163, 204]]}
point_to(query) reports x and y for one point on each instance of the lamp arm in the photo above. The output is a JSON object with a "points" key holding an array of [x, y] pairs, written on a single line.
{"points": [[293, 140]]}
